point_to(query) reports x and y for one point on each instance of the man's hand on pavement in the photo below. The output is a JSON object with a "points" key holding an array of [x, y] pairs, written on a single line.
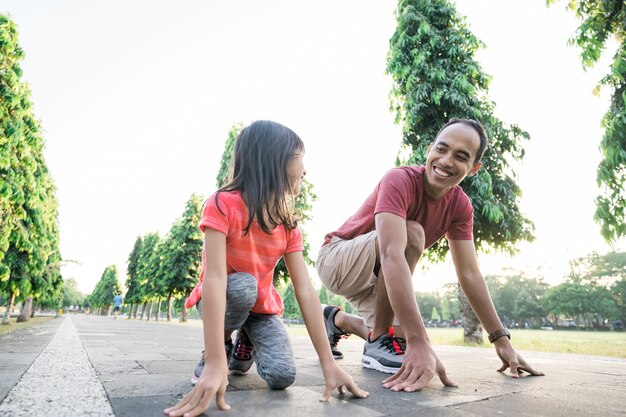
{"points": [[511, 359], [420, 365]]}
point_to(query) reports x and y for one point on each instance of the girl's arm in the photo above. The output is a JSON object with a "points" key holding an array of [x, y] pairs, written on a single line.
{"points": [[214, 378], [311, 308]]}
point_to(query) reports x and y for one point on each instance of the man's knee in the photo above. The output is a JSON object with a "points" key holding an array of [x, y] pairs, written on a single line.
{"points": [[416, 238]]}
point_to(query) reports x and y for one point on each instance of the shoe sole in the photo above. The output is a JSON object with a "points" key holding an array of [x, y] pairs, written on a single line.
{"points": [[340, 356], [371, 363], [194, 380]]}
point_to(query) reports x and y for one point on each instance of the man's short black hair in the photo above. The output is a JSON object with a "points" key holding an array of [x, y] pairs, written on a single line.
{"points": [[478, 127]]}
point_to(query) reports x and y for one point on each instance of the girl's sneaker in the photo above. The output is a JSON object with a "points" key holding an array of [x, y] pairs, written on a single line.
{"points": [[228, 345], [334, 333], [241, 359]]}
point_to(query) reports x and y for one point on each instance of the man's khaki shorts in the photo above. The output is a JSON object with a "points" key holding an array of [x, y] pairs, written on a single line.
{"points": [[346, 267]]}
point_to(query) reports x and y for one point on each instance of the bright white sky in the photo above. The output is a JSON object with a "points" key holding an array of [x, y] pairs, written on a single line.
{"points": [[136, 99]]}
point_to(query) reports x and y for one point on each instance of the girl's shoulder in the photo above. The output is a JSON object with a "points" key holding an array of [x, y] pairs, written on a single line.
{"points": [[230, 198]]}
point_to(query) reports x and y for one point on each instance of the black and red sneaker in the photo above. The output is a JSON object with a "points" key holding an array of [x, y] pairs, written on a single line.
{"points": [[334, 333], [228, 345], [241, 359]]}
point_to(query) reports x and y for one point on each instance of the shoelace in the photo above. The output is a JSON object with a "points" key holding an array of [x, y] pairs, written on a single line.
{"points": [[243, 351], [393, 343], [337, 337]]}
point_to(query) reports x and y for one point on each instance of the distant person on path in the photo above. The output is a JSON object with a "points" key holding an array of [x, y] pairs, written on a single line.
{"points": [[117, 304], [248, 227], [370, 260]]}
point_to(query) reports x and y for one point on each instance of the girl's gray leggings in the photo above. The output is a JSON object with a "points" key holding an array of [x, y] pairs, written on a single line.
{"points": [[272, 352]]}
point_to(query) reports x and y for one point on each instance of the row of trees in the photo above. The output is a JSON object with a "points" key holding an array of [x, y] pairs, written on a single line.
{"points": [[593, 295], [29, 234]]}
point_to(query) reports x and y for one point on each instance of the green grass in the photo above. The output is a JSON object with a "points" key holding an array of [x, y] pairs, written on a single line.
{"points": [[611, 344], [14, 325]]}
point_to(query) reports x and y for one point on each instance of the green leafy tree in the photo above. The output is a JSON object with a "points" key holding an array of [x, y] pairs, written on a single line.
{"points": [[618, 292], [434, 315], [436, 77], [600, 22], [181, 263], [292, 310], [106, 289], [518, 299], [427, 301], [225, 172], [146, 271], [28, 208], [133, 295], [71, 295]]}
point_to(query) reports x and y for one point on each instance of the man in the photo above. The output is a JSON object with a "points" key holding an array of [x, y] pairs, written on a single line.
{"points": [[370, 260], [117, 304]]}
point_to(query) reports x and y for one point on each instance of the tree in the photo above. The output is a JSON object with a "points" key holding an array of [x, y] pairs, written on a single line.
{"points": [[601, 21], [132, 279], [434, 315], [181, 262], [106, 289], [71, 295], [518, 299], [292, 310], [435, 78], [427, 301], [146, 271], [618, 292], [225, 171], [302, 206], [28, 208]]}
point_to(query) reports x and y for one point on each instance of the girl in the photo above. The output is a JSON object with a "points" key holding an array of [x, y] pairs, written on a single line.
{"points": [[248, 226]]}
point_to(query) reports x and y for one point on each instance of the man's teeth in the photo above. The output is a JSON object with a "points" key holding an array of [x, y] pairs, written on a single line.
{"points": [[442, 172]]}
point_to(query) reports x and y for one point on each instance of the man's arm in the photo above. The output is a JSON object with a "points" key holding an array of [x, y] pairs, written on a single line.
{"points": [[420, 363], [474, 286], [392, 241]]}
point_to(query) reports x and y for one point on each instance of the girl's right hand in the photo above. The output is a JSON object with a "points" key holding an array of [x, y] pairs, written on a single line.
{"points": [[212, 382], [336, 377]]}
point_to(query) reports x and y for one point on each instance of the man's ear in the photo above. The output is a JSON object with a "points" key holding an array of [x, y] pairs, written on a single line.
{"points": [[475, 168], [428, 150]]}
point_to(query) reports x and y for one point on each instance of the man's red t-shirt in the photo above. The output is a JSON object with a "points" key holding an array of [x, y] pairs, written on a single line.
{"points": [[401, 192], [256, 252]]}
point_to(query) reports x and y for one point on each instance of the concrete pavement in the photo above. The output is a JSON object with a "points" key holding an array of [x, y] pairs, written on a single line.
{"points": [[145, 367]]}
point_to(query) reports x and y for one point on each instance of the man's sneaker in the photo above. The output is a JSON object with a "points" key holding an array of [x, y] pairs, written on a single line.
{"points": [[384, 354], [228, 345], [241, 359], [333, 332]]}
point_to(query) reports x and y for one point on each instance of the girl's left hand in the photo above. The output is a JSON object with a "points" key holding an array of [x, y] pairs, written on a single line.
{"points": [[337, 378]]}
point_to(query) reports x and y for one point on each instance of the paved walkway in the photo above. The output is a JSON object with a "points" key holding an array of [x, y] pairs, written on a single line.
{"points": [[144, 367]]}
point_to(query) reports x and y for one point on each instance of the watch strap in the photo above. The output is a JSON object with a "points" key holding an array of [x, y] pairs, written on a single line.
{"points": [[498, 334]]}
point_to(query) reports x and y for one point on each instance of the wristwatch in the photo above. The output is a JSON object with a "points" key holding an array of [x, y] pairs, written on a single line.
{"points": [[498, 334]]}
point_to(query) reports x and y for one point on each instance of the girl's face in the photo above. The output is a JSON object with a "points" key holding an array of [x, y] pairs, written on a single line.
{"points": [[296, 172]]}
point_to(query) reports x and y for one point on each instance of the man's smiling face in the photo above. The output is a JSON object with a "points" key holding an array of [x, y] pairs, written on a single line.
{"points": [[451, 158]]}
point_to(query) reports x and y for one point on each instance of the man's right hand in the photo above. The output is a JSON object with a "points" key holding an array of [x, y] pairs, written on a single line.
{"points": [[419, 366]]}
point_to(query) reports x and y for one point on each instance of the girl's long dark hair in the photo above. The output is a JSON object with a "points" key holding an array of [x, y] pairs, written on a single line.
{"points": [[259, 171]]}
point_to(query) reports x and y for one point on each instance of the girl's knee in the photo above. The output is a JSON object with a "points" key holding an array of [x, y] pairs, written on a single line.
{"points": [[243, 287], [281, 381]]}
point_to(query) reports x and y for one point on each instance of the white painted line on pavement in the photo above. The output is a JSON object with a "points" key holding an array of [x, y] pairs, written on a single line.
{"points": [[60, 382]]}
